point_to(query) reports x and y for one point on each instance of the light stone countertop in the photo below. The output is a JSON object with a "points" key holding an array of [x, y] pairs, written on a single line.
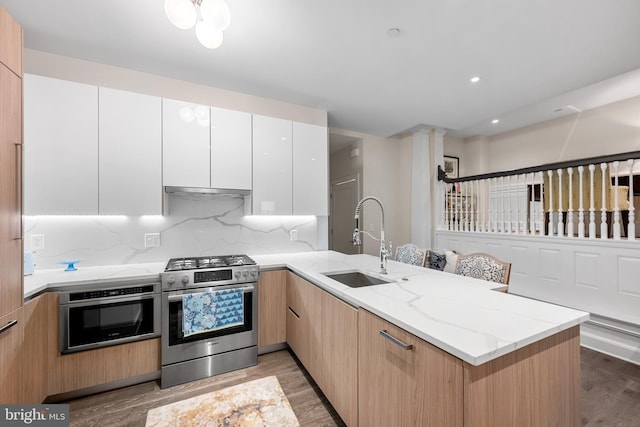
{"points": [[463, 316]]}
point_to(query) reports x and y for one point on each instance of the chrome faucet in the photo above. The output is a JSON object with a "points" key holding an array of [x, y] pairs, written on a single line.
{"points": [[357, 241]]}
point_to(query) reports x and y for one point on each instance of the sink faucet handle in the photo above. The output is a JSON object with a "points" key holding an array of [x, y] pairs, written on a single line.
{"points": [[390, 249]]}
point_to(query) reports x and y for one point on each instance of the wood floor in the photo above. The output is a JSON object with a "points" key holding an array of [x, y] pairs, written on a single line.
{"points": [[610, 394]]}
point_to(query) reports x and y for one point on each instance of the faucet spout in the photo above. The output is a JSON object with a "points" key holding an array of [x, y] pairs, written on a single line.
{"points": [[357, 241]]}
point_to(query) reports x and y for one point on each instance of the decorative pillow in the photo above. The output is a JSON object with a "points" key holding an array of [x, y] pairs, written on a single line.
{"points": [[481, 267], [452, 260], [437, 260], [410, 254]]}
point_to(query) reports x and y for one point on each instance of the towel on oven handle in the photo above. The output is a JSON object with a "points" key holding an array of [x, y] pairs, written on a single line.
{"points": [[212, 310]]}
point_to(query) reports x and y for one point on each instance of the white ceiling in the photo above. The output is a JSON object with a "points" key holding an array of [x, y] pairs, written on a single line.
{"points": [[532, 56]]}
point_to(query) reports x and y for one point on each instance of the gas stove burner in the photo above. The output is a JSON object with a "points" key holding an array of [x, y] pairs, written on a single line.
{"points": [[208, 262]]}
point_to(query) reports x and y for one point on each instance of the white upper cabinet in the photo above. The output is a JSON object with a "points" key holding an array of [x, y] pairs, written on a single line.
{"points": [[272, 166], [185, 144], [310, 170], [130, 153], [60, 147], [230, 149]]}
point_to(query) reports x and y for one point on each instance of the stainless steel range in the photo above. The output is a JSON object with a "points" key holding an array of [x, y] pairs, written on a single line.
{"points": [[209, 317]]}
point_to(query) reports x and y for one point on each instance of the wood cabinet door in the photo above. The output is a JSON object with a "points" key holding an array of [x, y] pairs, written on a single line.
{"points": [[10, 363], [130, 153], [272, 165], [35, 353], [310, 170], [404, 381], [11, 273], [340, 357], [272, 308], [186, 157], [230, 149], [304, 324], [10, 43], [61, 147]]}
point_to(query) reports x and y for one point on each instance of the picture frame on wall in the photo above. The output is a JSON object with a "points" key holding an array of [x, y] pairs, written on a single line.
{"points": [[451, 166]]}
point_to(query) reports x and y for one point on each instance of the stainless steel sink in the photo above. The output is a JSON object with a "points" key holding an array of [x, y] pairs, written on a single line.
{"points": [[356, 279]]}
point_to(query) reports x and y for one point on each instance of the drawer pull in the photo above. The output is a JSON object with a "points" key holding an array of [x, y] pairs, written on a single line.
{"points": [[294, 313], [8, 326], [395, 340]]}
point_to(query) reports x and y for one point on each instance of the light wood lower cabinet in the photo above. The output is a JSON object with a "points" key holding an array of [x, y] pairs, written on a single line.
{"points": [[304, 324], [272, 308], [10, 364], [538, 385], [340, 357], [34, 348], [417, 386], [322, 331]]}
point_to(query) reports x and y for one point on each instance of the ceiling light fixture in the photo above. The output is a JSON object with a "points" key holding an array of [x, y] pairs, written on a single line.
{"points": [[214, 18], [474, 79], [495, 121]]}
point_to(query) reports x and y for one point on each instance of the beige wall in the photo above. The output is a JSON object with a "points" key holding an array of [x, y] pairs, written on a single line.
{"points": [[610, 129], [66, 68], [387, 176]]}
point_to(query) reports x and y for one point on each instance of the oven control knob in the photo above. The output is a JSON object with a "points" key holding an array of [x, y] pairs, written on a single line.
{"points": [[254, 273], [185, 279], [245, 273], [236, 274], [171, 280]]}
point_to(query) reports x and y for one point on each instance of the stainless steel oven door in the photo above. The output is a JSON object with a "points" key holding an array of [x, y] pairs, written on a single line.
{"points": [[89, 324], [178, 348]]}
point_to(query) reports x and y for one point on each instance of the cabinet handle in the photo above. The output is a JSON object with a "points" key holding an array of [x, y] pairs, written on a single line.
{"points": [[294, 313], [18, 215], [8, 326], [395, 340]]}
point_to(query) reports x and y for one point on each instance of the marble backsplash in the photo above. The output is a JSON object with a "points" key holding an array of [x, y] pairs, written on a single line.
{"points": [[193, 225]]}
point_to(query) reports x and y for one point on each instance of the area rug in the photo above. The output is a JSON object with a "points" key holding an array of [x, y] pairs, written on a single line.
{"points": [[255, 403]]}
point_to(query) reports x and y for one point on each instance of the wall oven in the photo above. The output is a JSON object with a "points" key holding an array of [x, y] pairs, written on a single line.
{"points": [[230, 338], [100, 315]]}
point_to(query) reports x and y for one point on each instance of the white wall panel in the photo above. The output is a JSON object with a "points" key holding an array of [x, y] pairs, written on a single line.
{"points": [[549, 259], [629, 275], [586, 266]]}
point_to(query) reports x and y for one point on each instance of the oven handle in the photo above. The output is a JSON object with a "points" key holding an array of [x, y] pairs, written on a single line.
{"points": [[178, 297]]}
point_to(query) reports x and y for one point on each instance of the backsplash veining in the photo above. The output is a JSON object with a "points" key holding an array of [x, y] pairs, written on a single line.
{"points": [[193, 226]]}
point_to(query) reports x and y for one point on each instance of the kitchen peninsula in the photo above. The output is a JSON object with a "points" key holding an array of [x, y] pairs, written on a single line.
{"points": [[429, 348]]}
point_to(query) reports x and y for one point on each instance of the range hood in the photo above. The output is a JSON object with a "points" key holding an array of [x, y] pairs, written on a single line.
{"points": [[207, 191]]}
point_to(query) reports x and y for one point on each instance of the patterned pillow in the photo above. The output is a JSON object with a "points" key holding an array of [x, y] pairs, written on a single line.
{"points": [[437, 260]]}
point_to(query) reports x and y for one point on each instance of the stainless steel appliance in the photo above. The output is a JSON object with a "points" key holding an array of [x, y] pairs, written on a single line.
{"points": [[201, 355], [98, 315]]}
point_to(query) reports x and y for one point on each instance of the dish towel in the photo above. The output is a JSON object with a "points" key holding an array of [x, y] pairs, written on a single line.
{"points": [[212, 310]]}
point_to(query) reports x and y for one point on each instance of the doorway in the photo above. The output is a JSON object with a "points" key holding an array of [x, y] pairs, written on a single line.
{"points": [[345, 194]]}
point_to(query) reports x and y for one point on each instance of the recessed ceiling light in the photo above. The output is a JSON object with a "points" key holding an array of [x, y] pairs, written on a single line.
{"points": [[474, 79], [495, 121]]}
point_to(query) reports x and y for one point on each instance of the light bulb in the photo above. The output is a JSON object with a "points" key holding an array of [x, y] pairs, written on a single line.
{"points": [[216, 13], [181, 13], [208, 36], [202, 115], [187, 114]]}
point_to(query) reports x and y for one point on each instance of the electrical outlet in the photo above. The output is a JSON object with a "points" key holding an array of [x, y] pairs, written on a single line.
{"points": [[151, 240], [293, 235], [37, 242]]}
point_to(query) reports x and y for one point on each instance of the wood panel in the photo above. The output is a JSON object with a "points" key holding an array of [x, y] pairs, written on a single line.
{"points": [[76, 371], [305, 300], [340, 357], [34, 348], [10, 364], [11, 274], [421, 386], [538, 385], [10, 42], [272, 308]]}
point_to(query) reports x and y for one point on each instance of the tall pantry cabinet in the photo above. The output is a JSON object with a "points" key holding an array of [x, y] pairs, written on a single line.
{"points": [[11, 294]]}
